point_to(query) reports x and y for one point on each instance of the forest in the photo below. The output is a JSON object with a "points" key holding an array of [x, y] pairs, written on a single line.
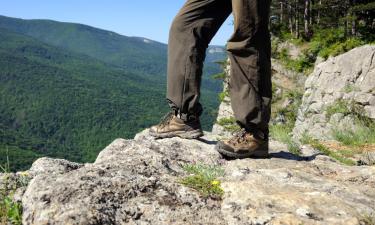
{"points": [[306, 18], [320, 28]]}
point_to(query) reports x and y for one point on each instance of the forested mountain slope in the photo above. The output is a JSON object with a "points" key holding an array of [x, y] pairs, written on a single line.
{"points": [[62, 104], [136, 54]]}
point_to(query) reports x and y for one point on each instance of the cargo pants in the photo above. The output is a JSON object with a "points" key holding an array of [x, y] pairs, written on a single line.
{"points": [[249, 51]]}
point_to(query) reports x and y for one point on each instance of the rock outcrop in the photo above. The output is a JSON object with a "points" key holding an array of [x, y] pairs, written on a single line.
{"points": [[346, 79], [137, 182]]}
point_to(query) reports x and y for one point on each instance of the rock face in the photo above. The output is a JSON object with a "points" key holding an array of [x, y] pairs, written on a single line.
{"points": [[342, 78], [131, 181], [137, 182]]}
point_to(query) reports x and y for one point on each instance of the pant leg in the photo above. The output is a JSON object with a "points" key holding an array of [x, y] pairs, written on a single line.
{"points": [[249, 51], [191, 32]]}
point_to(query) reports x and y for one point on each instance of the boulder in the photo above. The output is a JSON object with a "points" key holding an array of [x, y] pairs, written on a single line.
{"points": [[342, 78], [138, 182]]}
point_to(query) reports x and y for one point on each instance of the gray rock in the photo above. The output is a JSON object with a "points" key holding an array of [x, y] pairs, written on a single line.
{"points": [[132, 181], [343, 77], [137, 182], [47, 166]]}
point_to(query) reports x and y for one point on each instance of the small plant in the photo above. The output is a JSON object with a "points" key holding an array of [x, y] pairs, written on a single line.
{"points": [[349, 88], [364, 131], [360, 136], [11, 211], [282, 133], [367, 219], [229, 124], [303, 63], [223, 95], [204, 179], [326, 151], [220, 76], [340, 47], [339, 106]]}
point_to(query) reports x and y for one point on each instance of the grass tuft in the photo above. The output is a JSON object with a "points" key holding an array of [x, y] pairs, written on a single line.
{"points": [[368, 219], [339, 106], [204, 179], [364, 127], [220, 76], [10, 211], [223, 95], [282, 133], [326, 151], [229, 124]]}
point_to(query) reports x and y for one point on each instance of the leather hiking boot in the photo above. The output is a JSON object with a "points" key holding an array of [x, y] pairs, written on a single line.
{"points": [[172, 126], [243, 145]]}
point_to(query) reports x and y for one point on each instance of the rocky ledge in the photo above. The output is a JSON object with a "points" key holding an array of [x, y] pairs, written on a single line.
{"points": [[139, 182]]}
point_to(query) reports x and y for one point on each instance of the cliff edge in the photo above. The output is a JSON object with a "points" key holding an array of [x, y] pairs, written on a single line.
{"points": [[146, 180]]}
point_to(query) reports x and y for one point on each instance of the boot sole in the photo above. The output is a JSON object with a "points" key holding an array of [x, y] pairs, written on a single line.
{"points": [[261, 152], [194, 134]]}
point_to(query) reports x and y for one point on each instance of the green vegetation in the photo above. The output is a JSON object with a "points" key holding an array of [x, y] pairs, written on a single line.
{"points": [[349, 88], [302, 64], [324, 43], [339, 106], [363, 131], [134, 54], [219, 76], [339, 156], [68, 90], [320, 28], [61, 104], [368, 219], [360, 136], [204, 178], [10, 211], [282, 133], [223, 95], [229, 124]]}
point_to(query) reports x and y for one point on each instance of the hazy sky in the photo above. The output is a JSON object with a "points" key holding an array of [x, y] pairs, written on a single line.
{"points": [[145, 18]]}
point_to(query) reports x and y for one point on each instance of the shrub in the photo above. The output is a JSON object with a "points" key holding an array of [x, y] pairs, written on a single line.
{"points": [[223, 95], [220, 76], [363, 134], [10, 211], [204, 179], [339, 106], [340, 47], [229, 124], [282, 134], [326, 151]]}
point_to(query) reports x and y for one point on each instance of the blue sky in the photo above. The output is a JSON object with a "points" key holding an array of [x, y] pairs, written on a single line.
{"points": [[145, 18]]}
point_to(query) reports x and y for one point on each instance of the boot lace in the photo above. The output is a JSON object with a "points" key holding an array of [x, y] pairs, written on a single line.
{"points": [[238, 137], [166, 119]]}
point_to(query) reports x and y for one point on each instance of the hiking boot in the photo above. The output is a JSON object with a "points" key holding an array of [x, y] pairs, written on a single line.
{"points": [[242, 145], [172, 126]]}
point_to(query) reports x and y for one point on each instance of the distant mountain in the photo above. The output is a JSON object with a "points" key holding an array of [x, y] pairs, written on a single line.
{"points": [[127, 52], [67, 90], [54, 102], [136, 54]]}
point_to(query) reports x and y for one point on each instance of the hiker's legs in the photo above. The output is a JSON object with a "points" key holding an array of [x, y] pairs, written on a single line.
{"points": [[190, 33], [250, 51]]}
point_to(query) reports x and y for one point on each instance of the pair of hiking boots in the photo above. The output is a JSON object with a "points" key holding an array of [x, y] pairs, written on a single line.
{"points": [[242, 145]]}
